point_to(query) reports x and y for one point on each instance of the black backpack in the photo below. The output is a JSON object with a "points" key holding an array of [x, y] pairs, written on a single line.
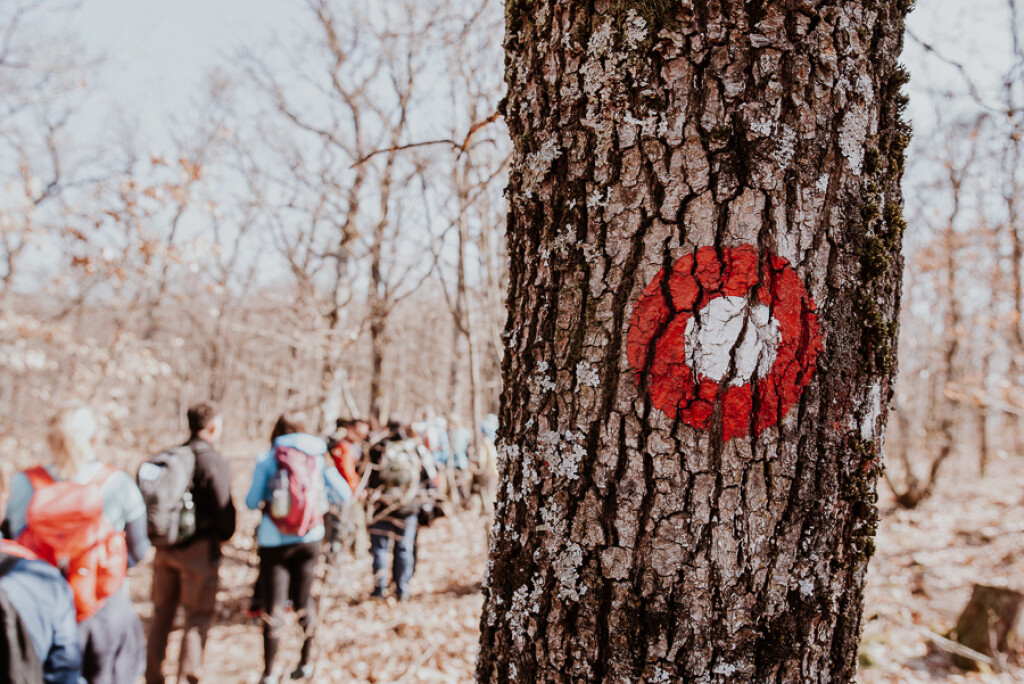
{"points": [[19, 663], [165, 481]]}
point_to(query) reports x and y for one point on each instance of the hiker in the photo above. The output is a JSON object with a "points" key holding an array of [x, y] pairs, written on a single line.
{"points": [[434, 431], [346, 449], [403, 480], [487, 464], [78, 490], [461, 440], [45, 609], [292, 485], [186, 567]]}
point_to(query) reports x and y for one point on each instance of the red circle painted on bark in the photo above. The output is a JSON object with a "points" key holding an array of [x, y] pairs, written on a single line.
{"points": [[695, 280]]}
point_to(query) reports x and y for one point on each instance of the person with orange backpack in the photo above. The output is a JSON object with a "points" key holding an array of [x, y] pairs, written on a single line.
{"points": [[293, 486], [88, 520]]}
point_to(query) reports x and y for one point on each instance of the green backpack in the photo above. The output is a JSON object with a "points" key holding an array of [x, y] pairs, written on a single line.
{"points": [[400, 467]]}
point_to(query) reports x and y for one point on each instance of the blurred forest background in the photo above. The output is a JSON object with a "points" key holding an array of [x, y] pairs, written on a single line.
{"points": [[312, 215], [316, 220], [279, 242]]}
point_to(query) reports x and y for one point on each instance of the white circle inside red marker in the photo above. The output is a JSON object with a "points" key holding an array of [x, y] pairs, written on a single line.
{"points": [[732, 336], [751, 361]]}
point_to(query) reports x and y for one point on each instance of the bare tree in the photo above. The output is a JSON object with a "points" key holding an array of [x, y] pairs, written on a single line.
{"points": [[958, 157], [362, 75], [41, 77]]}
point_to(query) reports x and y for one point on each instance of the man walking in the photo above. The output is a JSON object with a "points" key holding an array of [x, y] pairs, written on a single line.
{"points": [[403, 481], [186, 573]]}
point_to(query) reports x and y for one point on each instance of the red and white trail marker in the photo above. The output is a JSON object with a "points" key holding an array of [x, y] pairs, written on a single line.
{"points": [[725, 327]]}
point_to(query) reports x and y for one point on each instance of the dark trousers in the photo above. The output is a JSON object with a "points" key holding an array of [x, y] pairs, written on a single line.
{"points": [[112, 642], [402, 533], [185, 576], [287, 574]]}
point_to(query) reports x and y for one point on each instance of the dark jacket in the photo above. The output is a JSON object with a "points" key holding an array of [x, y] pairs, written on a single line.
{"points": [[44, 602], [211, 492]]}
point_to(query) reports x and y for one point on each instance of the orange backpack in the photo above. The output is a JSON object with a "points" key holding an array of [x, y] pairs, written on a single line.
{"points": [[65, 527]]}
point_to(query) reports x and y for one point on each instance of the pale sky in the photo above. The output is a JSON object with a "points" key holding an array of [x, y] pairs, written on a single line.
{"points": [[160, 51]]}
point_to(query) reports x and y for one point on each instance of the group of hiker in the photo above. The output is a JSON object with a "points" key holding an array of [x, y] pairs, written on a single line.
{"points": [[72, 526]]}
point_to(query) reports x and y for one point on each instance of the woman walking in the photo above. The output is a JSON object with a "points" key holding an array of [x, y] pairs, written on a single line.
{"points": [[292, 487]]}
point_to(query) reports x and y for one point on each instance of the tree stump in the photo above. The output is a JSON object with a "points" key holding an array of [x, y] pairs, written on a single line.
{"points": [[987, 624]]}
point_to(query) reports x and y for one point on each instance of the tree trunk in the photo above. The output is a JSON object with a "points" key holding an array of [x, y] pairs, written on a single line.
{"points": [[988, 622], [704, 246], [1013, 225], [376, 368], [455, 373]]}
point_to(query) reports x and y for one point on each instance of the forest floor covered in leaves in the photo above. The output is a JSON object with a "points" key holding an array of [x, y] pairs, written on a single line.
{"points": [[920, 579], [927, 561]]}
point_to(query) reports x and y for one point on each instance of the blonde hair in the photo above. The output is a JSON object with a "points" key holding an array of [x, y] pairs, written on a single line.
{"points": [[72, 436]]}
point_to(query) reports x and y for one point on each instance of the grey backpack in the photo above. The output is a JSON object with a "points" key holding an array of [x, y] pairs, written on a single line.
{"points": [[165, 481]]}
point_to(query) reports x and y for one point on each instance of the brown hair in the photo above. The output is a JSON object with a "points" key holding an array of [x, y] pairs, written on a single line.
{"points": [[289, 423], [201, 416]]}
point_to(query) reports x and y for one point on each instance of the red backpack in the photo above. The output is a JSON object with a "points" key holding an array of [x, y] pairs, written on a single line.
{"points": [[65, 527], [344, 458], [295, 492]]}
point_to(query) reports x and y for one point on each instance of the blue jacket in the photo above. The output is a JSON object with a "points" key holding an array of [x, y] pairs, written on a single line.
{"points": [[45, 604], [338, 491]]}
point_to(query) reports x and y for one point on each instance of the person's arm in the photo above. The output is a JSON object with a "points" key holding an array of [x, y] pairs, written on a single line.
{"points": [[219, 483], [376, 454], [137, 538], [133, 514], [258, 489], [63, 663], [17, 505], [338, 491]]}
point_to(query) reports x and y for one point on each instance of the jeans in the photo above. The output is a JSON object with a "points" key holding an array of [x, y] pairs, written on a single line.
{"points": [[401, 531]]}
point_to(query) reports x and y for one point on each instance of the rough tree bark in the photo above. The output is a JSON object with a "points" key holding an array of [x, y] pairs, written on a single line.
{"points": [[704, 246]]}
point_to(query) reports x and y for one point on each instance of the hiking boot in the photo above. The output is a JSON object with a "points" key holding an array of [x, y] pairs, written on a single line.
{"points": [[304, 671]]}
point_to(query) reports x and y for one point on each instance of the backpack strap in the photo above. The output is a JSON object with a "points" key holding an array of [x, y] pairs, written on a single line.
{"points": [[103, 475], [39, 477], [16, 550]]}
